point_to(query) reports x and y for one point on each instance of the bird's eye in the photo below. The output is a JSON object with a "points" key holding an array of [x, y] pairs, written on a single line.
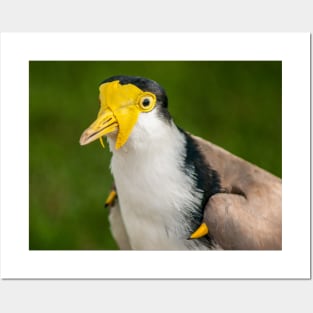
{"points": [[147, 102]]}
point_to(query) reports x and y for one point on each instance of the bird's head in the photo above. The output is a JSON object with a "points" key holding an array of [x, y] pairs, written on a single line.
{"points": [[122, 100]]}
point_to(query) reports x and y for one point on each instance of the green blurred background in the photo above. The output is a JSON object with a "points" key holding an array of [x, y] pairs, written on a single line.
{"points": [[236, 105]]}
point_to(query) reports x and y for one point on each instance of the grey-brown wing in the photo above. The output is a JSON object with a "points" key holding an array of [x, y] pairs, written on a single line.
{"points": [[117, 225], [247, 215], [239, 225]]}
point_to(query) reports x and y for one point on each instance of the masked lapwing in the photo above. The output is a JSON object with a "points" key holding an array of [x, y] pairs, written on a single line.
{"points": [[173, 190]]}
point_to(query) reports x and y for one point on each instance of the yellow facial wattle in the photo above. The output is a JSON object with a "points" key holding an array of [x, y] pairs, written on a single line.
{"points": [[120, 106]]}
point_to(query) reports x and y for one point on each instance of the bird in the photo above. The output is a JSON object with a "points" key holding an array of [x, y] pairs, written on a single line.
{"points": [[173, 190]]}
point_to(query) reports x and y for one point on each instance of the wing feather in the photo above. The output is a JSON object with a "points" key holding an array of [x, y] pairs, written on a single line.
{"points": [[118, 229], [248, 214]]}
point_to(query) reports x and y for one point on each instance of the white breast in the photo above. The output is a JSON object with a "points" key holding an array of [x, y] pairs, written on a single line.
{"points": [[155, 194]]}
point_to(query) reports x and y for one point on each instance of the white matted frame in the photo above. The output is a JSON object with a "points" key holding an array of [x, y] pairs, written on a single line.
{"points": [[294, 259]]}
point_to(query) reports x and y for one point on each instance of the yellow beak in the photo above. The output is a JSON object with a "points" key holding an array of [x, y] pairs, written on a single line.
{"points": [[103, 125], [119, 113]]}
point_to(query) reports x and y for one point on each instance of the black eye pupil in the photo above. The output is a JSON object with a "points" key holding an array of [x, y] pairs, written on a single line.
{"points": [[145, 102]]}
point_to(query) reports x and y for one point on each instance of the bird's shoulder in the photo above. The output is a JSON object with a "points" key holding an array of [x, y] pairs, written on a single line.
{"points": [[235, 173]]}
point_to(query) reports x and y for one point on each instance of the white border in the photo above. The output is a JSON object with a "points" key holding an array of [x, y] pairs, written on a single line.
{"points": [[18, 262]]}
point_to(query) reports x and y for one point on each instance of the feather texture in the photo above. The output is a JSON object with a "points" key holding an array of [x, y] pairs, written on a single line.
{"points": [[158, 195]]}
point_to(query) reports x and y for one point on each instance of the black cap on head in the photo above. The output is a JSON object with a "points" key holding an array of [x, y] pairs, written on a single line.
{"points": [[144, 84]]}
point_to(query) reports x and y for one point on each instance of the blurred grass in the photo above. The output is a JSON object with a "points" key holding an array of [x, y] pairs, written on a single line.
{"points": [[236, 105]]}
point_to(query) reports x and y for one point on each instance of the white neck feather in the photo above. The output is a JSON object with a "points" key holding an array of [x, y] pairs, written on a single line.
{"points": [[155, 194]]}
